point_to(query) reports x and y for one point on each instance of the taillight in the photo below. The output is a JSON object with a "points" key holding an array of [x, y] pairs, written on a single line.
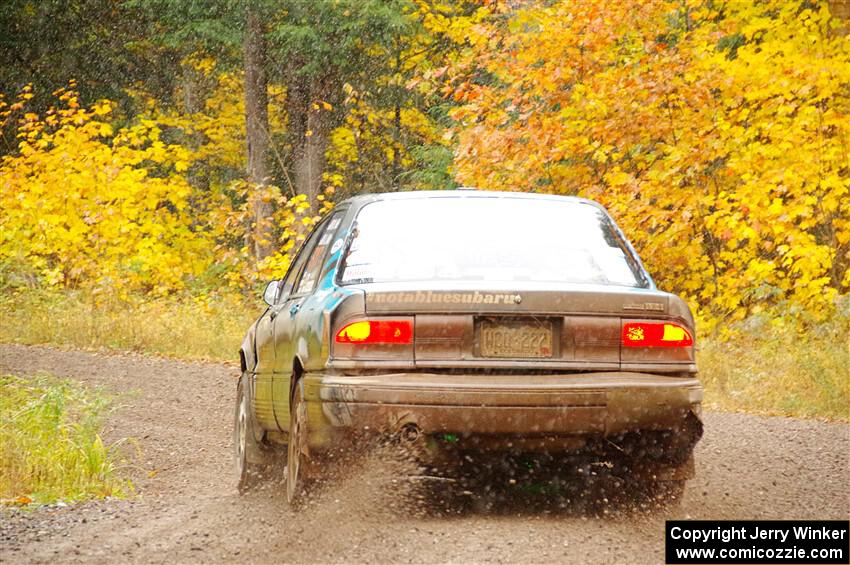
{"points": [[376, 331], [655, 334]]}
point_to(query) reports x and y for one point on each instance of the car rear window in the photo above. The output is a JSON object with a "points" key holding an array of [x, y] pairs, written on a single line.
{"points": [[487, 239]]}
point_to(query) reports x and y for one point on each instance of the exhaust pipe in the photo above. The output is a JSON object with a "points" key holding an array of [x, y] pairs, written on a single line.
{"points": [[410, 433]]}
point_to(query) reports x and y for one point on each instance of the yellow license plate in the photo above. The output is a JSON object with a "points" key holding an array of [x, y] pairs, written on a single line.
{"points": [[516, 339]]}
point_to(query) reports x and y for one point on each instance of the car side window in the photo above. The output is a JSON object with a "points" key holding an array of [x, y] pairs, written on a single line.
{"points": [[287, 283], [310, 274]]}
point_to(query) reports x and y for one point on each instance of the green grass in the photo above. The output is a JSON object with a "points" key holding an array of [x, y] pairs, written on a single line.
{"points": [[51, 444], [198, 328]]}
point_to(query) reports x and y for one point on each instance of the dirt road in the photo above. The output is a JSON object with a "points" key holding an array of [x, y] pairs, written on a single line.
{"points": [[187, 510]]}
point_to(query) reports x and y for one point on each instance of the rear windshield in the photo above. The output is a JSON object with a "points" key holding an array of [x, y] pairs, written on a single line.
{"points": [[487, 239]]}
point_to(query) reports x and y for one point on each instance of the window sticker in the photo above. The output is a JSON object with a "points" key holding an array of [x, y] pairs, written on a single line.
{"points": [[336, 246], [358, 272]]}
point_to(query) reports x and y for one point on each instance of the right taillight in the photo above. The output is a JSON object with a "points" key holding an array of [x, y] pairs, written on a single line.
{"points": [[655, 334]]}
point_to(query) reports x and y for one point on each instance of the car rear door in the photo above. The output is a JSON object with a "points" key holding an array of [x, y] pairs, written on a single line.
{"points": [[266, 355], [305, 271]]}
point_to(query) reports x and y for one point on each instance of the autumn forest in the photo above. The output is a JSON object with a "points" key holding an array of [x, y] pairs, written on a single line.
{"points": [[160, 150]]}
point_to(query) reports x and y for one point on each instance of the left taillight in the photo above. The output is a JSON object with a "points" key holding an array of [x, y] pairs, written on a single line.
{"points": [[376, 332], [386, 340]]}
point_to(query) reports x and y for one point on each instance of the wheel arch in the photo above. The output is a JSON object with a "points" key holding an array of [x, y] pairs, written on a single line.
{"points": [[297, 373], [243, 362], [248, 351]]}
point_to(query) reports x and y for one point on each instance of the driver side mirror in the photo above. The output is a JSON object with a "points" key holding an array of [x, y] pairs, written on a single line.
{"points": [[270, 292]]}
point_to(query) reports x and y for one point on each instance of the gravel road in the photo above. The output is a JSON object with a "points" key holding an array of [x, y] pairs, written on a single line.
{"points": [[186, 509]]}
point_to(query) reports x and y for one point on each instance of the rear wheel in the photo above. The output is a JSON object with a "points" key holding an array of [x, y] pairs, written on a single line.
{"points": [[297, 448], [253, 460]]}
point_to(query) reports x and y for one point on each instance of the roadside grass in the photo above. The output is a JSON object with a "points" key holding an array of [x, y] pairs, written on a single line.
{"points": [[761, 366], [204, 327], [779, 370], [51, 444]]}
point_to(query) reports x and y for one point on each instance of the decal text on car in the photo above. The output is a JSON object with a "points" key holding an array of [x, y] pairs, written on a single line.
{"points": [[447, 297]]}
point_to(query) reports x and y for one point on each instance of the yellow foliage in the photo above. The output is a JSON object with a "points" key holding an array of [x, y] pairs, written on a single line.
{"points": [[83, 205], [717, 137], [368, 138], [86, 205], [227, 217], [216, 129]]}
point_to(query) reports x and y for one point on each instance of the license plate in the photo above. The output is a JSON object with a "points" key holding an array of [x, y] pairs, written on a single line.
{"points": [[516, 339]]}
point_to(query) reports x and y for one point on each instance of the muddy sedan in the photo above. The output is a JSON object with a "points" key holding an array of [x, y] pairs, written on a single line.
{"points": [[469, 324]]}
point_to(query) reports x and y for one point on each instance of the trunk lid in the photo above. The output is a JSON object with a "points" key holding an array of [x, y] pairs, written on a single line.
{"points": [[512, 299], [507, 326]]}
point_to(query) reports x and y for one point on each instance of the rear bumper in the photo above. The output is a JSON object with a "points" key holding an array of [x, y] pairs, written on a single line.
{"points": [[590, 404]]}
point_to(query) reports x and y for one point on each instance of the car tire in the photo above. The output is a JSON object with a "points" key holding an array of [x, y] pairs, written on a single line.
{"points": [[253, 460], [296, 449]]}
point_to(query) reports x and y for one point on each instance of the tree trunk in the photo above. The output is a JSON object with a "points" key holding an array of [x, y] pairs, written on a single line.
{"points": [[196, 87], [257, 132], [309, 149], [840, 9], [396, 163], [297, 105]]}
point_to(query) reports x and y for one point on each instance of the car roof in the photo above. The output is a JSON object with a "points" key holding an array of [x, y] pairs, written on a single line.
{"points": [[464, 193]]}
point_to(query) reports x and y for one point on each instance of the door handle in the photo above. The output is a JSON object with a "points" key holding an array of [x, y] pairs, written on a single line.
{"points": [[294, 310], [273, 314]]}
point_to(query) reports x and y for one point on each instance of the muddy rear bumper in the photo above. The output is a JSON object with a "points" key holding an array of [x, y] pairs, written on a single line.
{"points": [[590, 404]]}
